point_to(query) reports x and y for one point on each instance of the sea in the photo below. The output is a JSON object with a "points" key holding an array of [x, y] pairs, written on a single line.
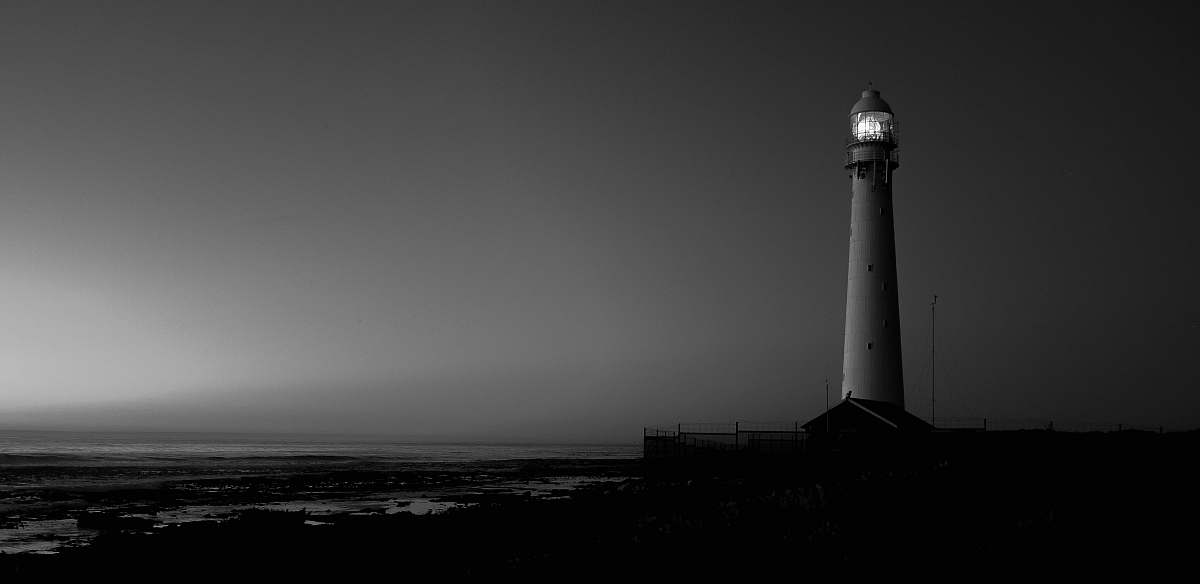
{"points": [[34, 448], [54, 485]]}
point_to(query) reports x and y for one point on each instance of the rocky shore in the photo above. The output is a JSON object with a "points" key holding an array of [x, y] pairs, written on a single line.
{"points": [[973, 504]]}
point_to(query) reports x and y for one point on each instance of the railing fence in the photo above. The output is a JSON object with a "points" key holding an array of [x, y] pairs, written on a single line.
{"points": [[791, 436]]}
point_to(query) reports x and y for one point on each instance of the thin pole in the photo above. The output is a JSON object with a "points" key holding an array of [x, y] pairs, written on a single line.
{"points": [[827, 406], [932, 362]]}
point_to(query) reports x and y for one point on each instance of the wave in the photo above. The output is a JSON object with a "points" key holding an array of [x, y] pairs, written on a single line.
{"points": [[40, 459], [11, 460], [100, 450], [292, 457]]}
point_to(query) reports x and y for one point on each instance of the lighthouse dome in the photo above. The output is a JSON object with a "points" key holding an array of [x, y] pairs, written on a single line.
{"points": [[870, 102]]}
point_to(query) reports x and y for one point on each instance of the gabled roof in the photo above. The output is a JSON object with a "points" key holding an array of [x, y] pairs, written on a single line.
{"points": [[896, 414], [855, 414]]}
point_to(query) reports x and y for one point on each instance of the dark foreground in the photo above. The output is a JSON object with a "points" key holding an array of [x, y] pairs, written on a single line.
{"points": [[947, 506]]}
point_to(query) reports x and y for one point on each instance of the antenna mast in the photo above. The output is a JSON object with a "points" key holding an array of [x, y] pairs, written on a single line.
{"points": [[932, 371], [826, 406]]}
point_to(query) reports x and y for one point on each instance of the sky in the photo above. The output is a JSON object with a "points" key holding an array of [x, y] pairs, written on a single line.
{"points": [[564, 221]]}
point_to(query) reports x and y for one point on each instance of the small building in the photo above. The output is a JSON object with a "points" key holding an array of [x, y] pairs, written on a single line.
{"points": [[854, 414]]}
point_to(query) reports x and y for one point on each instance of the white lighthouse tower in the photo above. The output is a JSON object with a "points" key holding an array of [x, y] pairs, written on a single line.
{"points": [[871, 367]]}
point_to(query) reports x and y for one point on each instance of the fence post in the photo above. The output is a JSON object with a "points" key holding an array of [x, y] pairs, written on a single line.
{"points": [[985, 424]]}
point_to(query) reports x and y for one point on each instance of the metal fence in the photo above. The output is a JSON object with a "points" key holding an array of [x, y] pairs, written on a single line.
{"points": [[790, 437], [959, 424], [683, 439], [1012, 424]]}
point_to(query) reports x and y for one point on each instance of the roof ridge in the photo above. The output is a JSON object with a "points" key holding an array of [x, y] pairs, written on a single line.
{"points": [[873, 413]]}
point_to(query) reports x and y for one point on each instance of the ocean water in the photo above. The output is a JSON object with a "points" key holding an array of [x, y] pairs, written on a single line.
{"points": [[49, 480], [31, 448]]}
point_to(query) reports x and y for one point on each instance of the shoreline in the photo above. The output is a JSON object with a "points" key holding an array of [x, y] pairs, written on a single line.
{"points": [[976, 503]]}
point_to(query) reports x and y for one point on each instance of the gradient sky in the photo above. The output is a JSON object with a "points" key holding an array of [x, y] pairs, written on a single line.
{"points": [[564, 221]]}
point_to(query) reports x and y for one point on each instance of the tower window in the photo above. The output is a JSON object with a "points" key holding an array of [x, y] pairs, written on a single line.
{"points": [[885, 323], [882, 212], [885, 286], [870, 267], [870, 346]]}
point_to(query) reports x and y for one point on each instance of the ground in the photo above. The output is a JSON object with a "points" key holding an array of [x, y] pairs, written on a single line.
{"points": [[944, 506]]}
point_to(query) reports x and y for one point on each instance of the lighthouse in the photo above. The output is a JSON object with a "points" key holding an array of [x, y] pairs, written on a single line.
{"points": [[871, 367]]}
